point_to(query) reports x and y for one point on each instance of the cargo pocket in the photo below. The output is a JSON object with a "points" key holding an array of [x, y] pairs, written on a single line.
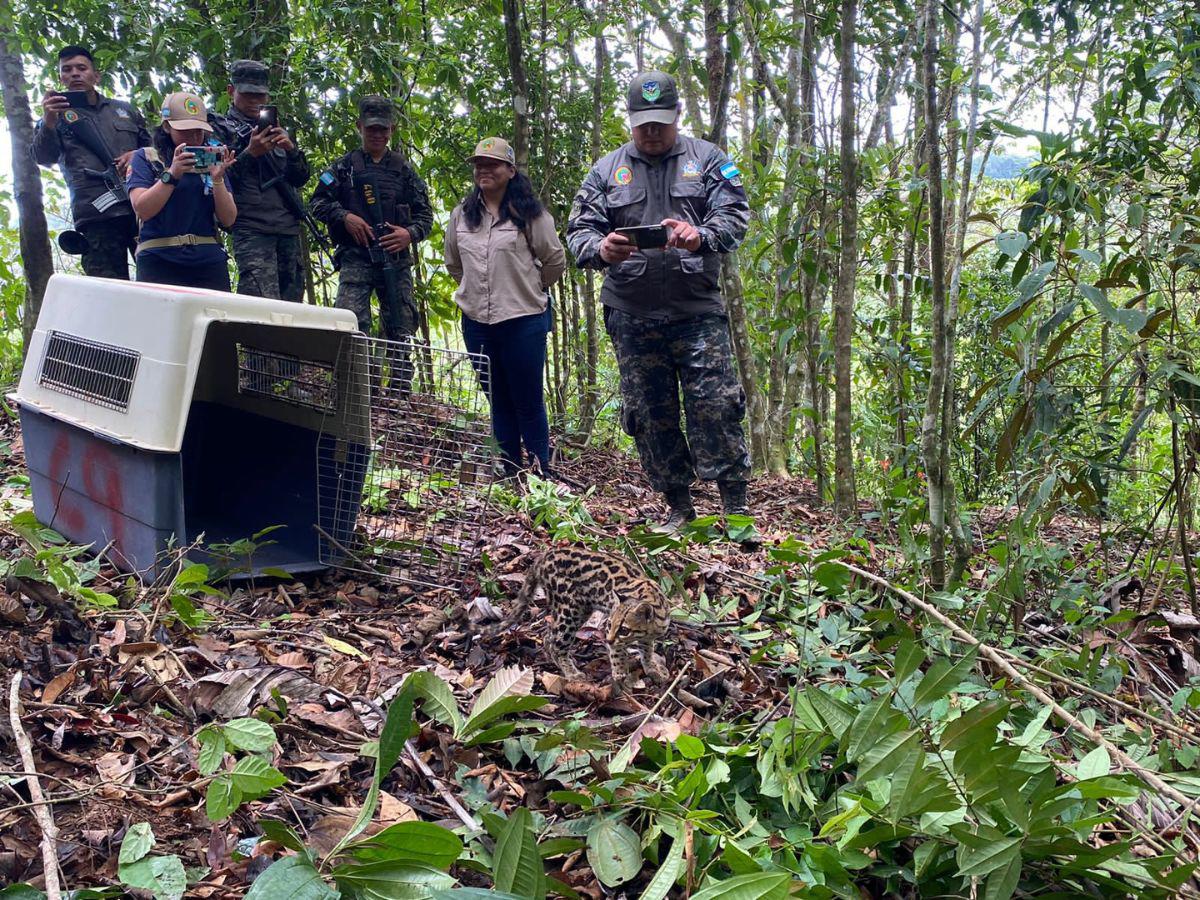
{"points": [[632, 268], [626, 205], [629, 421], [689, 200], [700, 270]]}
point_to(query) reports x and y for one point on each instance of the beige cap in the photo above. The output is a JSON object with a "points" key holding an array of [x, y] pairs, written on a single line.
{"points": [[185, 110], [494, 148]]}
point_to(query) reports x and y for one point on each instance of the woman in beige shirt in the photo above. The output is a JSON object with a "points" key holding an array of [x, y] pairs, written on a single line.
{"points": [[503, 250]]}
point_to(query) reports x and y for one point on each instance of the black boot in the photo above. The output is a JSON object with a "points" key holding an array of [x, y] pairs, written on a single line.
{"points": [[682, 512], [733, 498], [733, 501]]}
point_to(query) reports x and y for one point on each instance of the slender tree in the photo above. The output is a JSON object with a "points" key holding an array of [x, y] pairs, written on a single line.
{"points": [[932, 420], [845, 500], [36, 261]]}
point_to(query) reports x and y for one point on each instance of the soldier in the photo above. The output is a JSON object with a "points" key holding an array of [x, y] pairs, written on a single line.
{"points": [[373, 175], [268, 170], [92, 141], [663, 308]]}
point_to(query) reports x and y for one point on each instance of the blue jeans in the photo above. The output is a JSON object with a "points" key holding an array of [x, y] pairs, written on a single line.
{"points": [[516, 350]]}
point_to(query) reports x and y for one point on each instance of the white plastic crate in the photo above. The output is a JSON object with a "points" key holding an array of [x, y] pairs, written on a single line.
{"points": [[153, 414]]}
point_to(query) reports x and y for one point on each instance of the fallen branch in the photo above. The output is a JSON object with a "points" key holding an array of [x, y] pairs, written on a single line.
{"points": [[1072, 721], [41, 811], [459, 810]]}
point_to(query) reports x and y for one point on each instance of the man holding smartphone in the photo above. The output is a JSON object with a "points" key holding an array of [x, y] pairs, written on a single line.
{"points": [[91, 137], [265, 175], [657, 213]]}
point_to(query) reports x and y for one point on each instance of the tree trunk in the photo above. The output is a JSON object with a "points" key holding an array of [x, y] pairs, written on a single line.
{"points": [[844, 499], [932, 420], [520, 85], [36, 261], [958, 533]]}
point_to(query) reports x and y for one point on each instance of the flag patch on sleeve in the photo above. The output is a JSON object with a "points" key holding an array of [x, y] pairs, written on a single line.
{"points": [[730, 171], [327, 178]]}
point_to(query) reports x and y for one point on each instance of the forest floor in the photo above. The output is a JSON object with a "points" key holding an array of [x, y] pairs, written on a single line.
{"points": [[112, 699]]}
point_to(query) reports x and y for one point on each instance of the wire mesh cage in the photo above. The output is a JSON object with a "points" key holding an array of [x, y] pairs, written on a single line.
{"points": [[419, 451]]}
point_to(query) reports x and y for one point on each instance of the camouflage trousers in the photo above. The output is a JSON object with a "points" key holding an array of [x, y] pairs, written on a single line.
{"points": [[658, 362], [269, 265], [358, 280], [110, 243]]}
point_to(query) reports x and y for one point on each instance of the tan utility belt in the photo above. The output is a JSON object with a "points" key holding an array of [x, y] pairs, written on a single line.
{"points": [[178, 240]]}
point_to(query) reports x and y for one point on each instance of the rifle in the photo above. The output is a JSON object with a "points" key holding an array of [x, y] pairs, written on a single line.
{"points": [[91, 138], [380, 258], [287, 193], [294, 204]]}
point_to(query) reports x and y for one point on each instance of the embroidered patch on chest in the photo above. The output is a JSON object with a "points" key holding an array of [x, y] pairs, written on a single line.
{"points": [[691, 169], [122, 113], [623, 175], [70, 117]]}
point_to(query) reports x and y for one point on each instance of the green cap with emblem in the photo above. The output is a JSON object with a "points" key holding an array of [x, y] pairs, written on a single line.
{"points": [[249, 76], [652, 97], [374, 109]]}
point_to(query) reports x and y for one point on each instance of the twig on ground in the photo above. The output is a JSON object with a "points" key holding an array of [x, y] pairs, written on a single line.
{"points": [[459, 810], [41, 811], [1069, 719]]}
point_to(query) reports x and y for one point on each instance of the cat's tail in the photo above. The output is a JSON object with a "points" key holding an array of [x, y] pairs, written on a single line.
{"points": [[533, 579]]}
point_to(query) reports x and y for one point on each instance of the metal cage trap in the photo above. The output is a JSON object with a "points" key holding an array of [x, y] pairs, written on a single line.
{"points": [[416, 446]]}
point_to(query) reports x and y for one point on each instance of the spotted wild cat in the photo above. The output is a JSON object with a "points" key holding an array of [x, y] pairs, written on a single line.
{"points": [[577, 582]]}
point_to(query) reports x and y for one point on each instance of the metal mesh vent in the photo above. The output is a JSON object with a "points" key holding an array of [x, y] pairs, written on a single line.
{"points": [[422, 464], [90, 370], [281, 376]]}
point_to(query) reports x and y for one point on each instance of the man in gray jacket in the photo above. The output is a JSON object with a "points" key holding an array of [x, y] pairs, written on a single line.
{"points": [[663, 307], [91, 137]]}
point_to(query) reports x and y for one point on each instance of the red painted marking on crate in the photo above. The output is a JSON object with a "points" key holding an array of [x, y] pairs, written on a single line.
{"points": [[103, 482], [60, 472]]}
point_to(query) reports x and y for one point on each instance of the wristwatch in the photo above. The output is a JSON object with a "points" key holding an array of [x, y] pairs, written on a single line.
{"points": [[167, 178]]}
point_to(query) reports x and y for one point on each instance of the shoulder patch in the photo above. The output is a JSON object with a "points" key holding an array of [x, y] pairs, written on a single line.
{"points": [[730, 171], [151, 154], [327, 178]]}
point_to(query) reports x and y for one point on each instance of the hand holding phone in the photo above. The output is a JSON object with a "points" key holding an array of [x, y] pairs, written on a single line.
{"points": [[646, 237], [204, 157], [268, 117]]}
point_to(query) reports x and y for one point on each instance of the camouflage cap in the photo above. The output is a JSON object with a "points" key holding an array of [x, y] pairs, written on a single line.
{"points": [[652, 97], [249, 76], [376, 110]]}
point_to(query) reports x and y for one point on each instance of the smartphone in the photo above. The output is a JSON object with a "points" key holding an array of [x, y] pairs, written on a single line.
{"points": [[268, 117], [206, 157], [77, 99], [646, 237]]}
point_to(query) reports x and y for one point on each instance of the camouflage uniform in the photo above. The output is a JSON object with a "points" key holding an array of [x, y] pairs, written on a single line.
{"points": [[664, 311], [656, 359], [269, 265], [266, 234], [358, 279], [404, 200], [110, 244]]}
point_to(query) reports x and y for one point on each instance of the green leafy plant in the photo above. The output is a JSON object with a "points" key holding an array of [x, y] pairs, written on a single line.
{"points": [[251, 777], [162, 876], [56, 562]]}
